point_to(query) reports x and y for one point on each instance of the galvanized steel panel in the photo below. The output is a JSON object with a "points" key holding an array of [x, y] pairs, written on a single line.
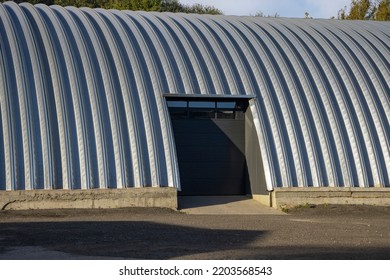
{"points": [[82, 106]]}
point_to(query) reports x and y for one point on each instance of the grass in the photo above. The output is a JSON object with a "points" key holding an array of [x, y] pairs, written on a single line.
{"points": [[306, 205]]}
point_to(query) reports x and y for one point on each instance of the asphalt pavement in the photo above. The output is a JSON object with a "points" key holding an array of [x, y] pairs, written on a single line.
{"points": [[229, 229]]}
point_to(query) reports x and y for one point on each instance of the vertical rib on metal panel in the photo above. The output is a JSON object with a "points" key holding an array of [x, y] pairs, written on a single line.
{"points": [[41, 90], [45, 100], [351, 75], [378, 55], [134, 177], [276, 102], [110, 66], [320, 87], [81, 100], [236, 52], [170, 66], [304, 120], [100, 121], [54, 44], [159, 113], [10, 107], [2, 157], [315, 97], [372, 87], [147, 88], [125, 111], [265, 112], [165, 80], [141, 114], [3, 126], [212, 53], [339, 91], [177, 60], [77, 118], [25, 94], [360, 92], [106, 78], [188, 48]]}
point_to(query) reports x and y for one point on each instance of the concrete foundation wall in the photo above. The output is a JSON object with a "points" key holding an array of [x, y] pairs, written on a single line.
{"points": [[264, 199], [97, 198], [282, 197]]}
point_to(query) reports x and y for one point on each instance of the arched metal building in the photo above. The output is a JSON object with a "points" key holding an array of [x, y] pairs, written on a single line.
{"points": [[93, 98]]}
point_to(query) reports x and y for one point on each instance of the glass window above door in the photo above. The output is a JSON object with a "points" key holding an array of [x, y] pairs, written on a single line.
{"points": [[205, 109]]}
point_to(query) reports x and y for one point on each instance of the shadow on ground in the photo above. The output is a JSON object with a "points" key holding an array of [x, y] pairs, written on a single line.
{"points": [[151, 240], [185, 202], [135, 239]]}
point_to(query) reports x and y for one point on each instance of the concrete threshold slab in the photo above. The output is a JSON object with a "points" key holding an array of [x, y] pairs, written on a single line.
{"points": [[224, 205]]}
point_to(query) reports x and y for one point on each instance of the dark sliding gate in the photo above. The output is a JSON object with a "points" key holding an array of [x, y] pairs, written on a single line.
{"points": [[210, 144]]}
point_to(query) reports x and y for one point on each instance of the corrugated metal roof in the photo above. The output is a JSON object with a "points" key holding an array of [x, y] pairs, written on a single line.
{"points": [[82, 106]]}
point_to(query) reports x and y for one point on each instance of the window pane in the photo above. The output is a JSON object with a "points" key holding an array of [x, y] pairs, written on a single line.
{"points": [[201, 104], [226, 105], [177, 104]]}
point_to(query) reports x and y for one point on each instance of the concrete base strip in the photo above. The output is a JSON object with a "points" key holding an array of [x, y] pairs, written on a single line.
{"points": [[98, 198], [282, 197]]}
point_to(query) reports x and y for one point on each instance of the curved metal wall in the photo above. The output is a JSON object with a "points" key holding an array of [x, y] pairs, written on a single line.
{"points": [[81, 95]]}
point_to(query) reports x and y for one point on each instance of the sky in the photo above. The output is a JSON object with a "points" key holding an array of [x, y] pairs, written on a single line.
{"points": [[284, 8]]}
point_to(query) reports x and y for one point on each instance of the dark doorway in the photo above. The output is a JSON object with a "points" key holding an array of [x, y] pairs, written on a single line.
{"points": [[210, 145]]}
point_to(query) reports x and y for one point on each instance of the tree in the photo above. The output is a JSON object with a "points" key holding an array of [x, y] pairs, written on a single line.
{"points": [[342, 14], [307, 15], [360, 9], [201, 9], [258, 14], [261, 14], [173, 6], [366, 10], [383, 11]]}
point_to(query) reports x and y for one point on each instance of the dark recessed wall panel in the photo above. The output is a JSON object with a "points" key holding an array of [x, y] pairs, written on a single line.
{"points": [[256, 179], [211, 155]]}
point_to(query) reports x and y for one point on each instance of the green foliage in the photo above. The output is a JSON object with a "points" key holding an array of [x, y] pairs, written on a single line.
{"points": [[173, 6], [383, 11], [367, 10], [360, 9], [305, 205], [307, 15], [284, 209], [200, 9], [261, 14]]}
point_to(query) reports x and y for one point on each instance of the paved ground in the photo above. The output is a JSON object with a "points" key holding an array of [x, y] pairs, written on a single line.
{"points": [[224, 205], [322, 232]]}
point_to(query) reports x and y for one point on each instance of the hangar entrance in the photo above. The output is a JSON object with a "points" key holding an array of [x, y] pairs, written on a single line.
{"points": [[210, 144]]}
